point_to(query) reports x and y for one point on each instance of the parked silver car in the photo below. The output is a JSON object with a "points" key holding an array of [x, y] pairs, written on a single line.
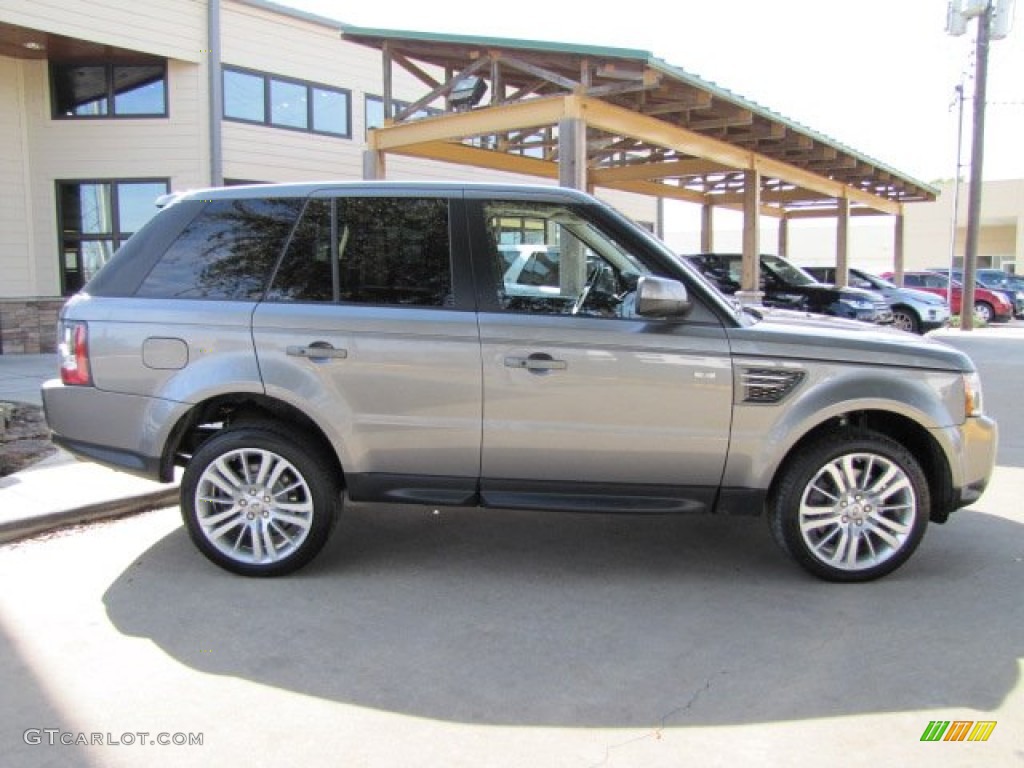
{"points": [[914, 311], [294, 345]]}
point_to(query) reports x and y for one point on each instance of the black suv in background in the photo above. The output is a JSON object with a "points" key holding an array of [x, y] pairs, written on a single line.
{"points": [[787, 286]]}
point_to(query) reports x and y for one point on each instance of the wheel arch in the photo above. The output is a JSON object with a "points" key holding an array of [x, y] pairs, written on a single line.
{"points": [[211, 416], [903, 430]]}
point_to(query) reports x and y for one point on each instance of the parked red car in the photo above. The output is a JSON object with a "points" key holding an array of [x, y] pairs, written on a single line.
{"points": [[990, 306]]}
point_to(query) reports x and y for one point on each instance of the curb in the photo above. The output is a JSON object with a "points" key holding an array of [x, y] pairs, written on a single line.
{"points": [[22, 528]]}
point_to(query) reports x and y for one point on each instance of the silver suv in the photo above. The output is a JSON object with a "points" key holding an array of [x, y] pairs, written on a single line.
{"points": [[292, 346]]}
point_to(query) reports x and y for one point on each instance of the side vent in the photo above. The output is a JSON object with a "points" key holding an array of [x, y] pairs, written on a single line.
{"points": [[767, 386]]}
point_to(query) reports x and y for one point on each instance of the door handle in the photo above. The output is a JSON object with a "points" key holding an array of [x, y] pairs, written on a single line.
{"points": [[318, 350], [536, 363]]}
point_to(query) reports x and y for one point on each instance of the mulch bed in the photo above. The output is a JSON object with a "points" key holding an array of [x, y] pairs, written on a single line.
{"points": [[24, 437]]}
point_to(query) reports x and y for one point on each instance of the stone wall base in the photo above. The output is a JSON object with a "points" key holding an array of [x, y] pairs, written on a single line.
{"points": [[29, 326]]}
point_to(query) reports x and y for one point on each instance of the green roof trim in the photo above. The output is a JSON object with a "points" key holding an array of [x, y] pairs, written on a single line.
{"points": [[500, 42]]}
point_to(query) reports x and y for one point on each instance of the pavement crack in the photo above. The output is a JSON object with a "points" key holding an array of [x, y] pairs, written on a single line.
{"points": [[656, 732]]}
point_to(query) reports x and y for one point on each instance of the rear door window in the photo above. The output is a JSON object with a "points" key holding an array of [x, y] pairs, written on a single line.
{"points": [[373, 250]]}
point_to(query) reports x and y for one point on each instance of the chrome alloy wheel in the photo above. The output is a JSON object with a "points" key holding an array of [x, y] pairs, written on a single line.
{"points": [[857, 511], [254, 506]]}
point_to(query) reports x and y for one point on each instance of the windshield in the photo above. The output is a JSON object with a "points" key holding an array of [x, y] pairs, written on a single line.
{"points": [[876, 282], [786, 272]]}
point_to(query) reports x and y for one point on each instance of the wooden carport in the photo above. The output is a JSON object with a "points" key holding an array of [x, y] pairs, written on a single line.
{"points": [[622, 119]]}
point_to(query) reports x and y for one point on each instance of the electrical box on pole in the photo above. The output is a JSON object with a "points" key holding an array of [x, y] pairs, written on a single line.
{"points": [[1002, 19]]}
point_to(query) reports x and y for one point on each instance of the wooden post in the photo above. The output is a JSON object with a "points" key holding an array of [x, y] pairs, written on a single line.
{"points": [[389, 111], [572, 153], [784, 236], [842, 242], [751, 292], [374, 165], [707, 228], [897, 248]]}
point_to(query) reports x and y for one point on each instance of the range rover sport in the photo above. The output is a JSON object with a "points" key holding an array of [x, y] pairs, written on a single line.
{"points": [[293, 346]]}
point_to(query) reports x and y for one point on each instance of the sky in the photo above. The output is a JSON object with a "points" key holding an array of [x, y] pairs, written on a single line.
{"points": [[876, 75]]}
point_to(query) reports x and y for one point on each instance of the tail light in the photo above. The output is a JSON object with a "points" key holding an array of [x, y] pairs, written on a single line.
{"points": [[74, 354]]}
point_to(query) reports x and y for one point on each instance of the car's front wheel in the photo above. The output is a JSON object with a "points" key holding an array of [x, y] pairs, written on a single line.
{"points": [[851, 506], [905, 320], [256, 502]]}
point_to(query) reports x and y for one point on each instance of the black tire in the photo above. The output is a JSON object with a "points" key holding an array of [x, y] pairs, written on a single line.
{"points": [[906, 320], [984, 311], [851, 506], [234, 494]]}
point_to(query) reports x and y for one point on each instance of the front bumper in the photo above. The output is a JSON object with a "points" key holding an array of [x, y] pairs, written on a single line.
{"points": [[974, 443]]}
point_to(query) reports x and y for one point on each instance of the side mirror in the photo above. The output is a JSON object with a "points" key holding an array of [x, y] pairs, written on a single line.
{"points": [[660, 297]]}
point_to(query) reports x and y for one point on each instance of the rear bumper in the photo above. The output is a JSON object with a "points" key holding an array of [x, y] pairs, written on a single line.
{"points": [[126, 432]]}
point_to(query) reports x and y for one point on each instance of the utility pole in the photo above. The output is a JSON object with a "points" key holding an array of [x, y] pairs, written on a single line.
{"points": [[995, 17], [977, 160], [956, 193]]}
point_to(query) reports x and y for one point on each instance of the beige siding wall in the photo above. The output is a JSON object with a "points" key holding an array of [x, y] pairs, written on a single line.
{"points": [[16, 263], [174, 147], [172, 28]]}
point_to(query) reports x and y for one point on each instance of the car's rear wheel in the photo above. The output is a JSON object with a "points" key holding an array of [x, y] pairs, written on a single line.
{"points": [[905, 320], [256, 502], [852, 506], [984, 311]]}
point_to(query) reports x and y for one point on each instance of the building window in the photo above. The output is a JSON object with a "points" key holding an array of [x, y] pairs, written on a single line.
{"points": [[255, 97], [95, 217], [104, 90], [375, 111]]}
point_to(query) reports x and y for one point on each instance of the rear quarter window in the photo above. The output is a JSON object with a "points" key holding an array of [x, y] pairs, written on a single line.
{"points": [[227, 252]]}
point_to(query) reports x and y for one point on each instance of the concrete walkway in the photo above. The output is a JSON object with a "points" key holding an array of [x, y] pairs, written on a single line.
{"points": [[60, 490]]}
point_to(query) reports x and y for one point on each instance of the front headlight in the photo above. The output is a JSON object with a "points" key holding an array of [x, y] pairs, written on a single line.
{"points": [[972, 394]]}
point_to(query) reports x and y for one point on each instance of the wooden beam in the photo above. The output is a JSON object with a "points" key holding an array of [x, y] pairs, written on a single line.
{"points": [[533, 69], [697, 100], [531, 113], [830, 213], [667, 169], [657, 189], [414, 70], [526, 90], [444, 89], [462, 154], [615, 89], [743, 117]]}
